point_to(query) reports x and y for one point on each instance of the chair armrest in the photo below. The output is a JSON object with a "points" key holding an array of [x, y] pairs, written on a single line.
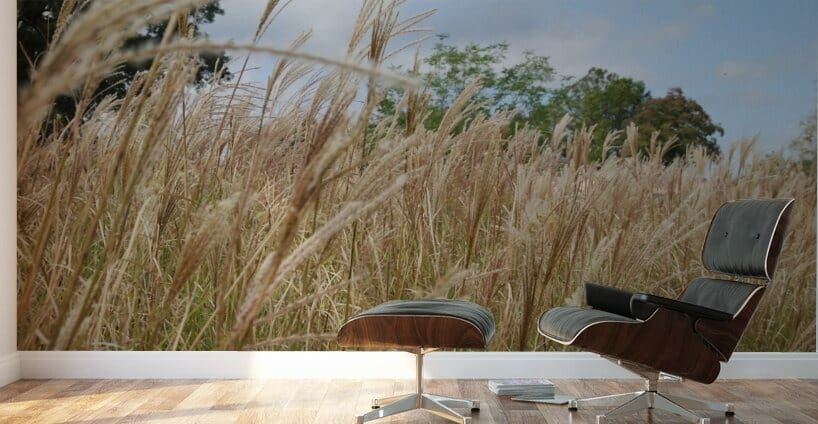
{"points": [[608, 299], [690, 309]]}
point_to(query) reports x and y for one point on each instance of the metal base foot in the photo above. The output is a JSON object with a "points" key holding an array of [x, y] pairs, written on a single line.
{"points": [[378, 402], [689, 402], [650, 398], [438, 405], [630, 403]]}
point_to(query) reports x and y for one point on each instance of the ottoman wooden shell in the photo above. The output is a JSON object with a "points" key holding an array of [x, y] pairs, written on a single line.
{"points": [[406, 324]]}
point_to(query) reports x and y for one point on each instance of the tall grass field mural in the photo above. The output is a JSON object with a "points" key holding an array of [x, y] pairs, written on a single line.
{"points": [[166, 201]]}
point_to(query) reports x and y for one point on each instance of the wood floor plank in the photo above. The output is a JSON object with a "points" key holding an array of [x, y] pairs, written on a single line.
{"points": [[17, 388], [236, 396], [197, 405], [304, 405], [266, 405], [117, 404], [32, 404], [160, 401], [490, 411], [337, 405], [558, 414], [338, 401], [371, 389]]}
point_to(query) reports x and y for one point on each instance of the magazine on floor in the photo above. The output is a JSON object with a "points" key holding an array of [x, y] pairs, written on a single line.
{"points": [[529, 387]]}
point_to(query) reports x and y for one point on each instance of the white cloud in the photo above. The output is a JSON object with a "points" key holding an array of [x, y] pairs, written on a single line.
{"points": [[706, 10], [574, 43], [742, 70], [767, 68], [673, 31], [331, 22]]}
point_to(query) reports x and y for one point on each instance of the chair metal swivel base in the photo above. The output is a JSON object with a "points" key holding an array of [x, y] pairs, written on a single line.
{"points": [[438, 405], [650, 398]]}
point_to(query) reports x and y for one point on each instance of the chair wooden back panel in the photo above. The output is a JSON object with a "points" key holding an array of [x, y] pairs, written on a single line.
{"points": [[663, 342], [725, 335]]}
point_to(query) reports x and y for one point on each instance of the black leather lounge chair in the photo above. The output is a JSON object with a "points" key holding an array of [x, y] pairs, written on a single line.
{"points": [[689, 336], [419, 326]]}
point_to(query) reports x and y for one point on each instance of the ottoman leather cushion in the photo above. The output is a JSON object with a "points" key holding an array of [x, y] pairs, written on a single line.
{"points": [[420, 323]]}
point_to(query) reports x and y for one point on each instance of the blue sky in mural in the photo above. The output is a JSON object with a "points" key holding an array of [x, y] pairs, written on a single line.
{"points": [[751, 64]]}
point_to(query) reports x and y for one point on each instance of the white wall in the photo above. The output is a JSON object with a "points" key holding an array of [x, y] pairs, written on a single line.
{"points": [[9, 362], [361, 365]]}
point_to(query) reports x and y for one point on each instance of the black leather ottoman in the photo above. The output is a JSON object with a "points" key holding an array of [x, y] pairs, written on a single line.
{"points": [[419, 326]]}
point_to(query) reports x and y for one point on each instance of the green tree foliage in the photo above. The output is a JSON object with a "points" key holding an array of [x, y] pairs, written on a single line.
{"points": [[803, 147], [599, 98], [452, 69], [36, 26], [524, 85], [521, 86], [675, 115]]}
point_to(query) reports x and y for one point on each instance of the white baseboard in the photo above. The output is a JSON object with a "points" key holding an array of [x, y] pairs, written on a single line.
{"points": [[362, 365], [9, 368]]}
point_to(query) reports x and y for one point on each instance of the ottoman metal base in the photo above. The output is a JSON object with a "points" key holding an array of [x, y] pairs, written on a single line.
{"points": [[438, 405]]}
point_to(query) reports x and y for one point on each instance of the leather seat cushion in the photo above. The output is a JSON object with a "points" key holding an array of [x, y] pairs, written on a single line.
{"points": [[475, 314], [564, 323]]}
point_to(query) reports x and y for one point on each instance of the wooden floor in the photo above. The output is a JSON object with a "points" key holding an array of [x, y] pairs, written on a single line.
{"points": [[338, 401]]}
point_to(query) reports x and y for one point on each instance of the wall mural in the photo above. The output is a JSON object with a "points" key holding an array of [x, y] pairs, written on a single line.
{"points": [[166, 203]]}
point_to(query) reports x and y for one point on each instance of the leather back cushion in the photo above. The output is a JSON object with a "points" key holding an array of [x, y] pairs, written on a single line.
{"points": [[722, 295], [745, 237]]}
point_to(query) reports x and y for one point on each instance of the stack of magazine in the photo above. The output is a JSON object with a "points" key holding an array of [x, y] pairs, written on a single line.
{"points": [[523, 388]]}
